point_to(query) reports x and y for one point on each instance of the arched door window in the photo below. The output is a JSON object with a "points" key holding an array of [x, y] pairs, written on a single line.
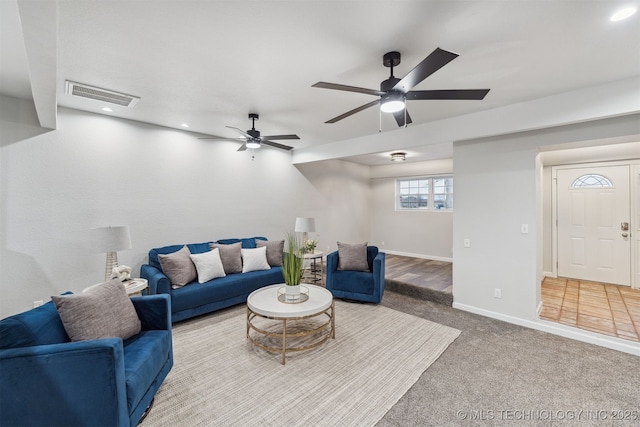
{"points": [[591, 180]]}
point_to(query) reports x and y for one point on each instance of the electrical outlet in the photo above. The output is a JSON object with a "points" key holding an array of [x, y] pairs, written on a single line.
{"points": [[382, 244], [467, 243], [37, 303], [497, 293]]}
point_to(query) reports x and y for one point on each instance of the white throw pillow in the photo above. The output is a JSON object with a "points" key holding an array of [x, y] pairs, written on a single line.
{"points": [[208, 265], [255, 259]]}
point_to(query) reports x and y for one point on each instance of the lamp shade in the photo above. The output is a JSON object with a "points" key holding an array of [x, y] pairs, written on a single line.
{"points": [[305, 225], [110, 239]]}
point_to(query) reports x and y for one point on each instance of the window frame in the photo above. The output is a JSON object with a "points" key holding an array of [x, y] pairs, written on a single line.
{"points": [[431, 194]]}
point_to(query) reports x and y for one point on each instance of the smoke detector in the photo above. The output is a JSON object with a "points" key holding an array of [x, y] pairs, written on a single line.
{"points": [[99, 94]]}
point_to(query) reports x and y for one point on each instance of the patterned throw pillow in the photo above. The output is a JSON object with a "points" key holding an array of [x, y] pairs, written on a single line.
{"points": [[352, 257], [103, 311], [254, 259]]}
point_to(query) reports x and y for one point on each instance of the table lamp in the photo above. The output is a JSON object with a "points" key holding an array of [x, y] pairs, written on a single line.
{"points": [[110, 240], [305, 226]]}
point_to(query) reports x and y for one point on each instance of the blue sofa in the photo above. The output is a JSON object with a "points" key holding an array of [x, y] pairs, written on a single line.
{"points": [[365, 286], [47, 380], [196, 298]]}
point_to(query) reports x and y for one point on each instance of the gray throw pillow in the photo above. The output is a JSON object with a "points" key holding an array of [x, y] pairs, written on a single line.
{"points": [[103, 311], [352, 257], [274, 251], [231, 256], [178, 267]]}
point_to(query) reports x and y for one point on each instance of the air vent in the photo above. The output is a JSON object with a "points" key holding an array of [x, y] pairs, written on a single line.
{"points": [[99, 94]]}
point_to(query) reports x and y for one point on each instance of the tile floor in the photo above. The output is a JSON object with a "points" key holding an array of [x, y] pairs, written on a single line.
{"points": [[598, 307]]}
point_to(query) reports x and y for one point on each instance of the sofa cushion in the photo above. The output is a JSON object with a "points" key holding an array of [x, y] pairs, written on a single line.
{"points": [[274, 251], [254, 259], [38, 326], [208, 265], [144, 356], [352, 257], [178, 267], [231, 256], [247, 242], [102, 312]]}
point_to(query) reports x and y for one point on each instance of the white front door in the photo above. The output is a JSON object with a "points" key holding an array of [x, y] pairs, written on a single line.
{"points": [[593, 212]]}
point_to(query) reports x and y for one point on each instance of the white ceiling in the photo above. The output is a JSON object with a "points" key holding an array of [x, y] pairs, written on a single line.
{"points": [[209, 63]]}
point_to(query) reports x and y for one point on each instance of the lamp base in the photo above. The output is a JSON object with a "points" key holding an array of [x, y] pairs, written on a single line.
{"points": [[112, 261]]}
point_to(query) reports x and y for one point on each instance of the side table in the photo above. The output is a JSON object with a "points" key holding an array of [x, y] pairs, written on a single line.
{"points": [[134, 287], [314, 274]]}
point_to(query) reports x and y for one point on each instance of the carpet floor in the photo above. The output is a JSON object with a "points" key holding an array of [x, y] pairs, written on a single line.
{"points": [[219, 378]]}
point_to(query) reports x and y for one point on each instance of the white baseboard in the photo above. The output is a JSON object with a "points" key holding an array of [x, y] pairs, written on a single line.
{"points": [[559, 329], [549, 274], [421, 256]]}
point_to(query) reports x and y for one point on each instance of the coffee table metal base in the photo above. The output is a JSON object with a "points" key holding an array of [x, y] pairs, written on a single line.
{"points": [[324, 331]]}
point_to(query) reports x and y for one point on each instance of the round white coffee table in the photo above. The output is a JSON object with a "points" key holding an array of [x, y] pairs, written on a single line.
{"points": [[264, 303]]}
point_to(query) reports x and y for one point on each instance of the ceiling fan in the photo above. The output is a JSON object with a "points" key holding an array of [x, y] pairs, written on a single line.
{"points": [[394, 92], [252, 138]]}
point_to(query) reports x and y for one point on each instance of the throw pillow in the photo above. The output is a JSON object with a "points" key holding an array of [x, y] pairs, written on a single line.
{"points": [[352, 257], [208, 265], [231, 256], [178, 267], [274, 251], [254, 259], [103, 311]]}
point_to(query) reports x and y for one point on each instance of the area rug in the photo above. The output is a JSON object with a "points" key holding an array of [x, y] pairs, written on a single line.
{"points": [[220, 379]]}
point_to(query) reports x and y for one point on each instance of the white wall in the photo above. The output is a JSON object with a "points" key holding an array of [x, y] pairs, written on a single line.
{"points": [[167, 185], [497, 188], [424, 234]]}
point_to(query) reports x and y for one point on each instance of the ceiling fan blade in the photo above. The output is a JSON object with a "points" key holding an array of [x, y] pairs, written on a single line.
{"points": [[243, 147], [355, 110], [325, 85], [472, 94], [432, 63], [399, 116], [276, 145], [281, 137], [243, 133]]}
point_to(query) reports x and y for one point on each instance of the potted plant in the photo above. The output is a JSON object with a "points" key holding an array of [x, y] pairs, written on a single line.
{"points": [[292, 266]]}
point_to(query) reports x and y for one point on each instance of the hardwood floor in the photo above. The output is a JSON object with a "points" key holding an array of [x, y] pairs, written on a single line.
{"points": [[424, 273], [607, 309]]}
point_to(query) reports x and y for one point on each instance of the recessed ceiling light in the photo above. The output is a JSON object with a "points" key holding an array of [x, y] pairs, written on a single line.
{"points": [[184, 125], [107, 109], [623, 14]]}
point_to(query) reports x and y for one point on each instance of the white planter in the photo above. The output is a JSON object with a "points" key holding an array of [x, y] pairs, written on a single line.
{"points": [[292, 292]]}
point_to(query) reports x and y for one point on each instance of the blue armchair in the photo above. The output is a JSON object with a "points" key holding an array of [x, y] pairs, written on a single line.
{"points": [[366, 286], [49, 380]]}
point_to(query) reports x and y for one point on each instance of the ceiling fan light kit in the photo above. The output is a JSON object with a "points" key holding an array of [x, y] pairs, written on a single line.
{"points": [[394, 92]]}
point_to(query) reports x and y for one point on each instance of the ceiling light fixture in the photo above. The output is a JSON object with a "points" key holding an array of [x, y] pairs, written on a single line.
{"points": [[184, 125], [398, 156], [623, 14], [107, 109], [392, 102], [253, 144]]}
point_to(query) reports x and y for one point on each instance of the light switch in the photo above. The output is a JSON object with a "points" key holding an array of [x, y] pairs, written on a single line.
{"points": [[524, 228]]}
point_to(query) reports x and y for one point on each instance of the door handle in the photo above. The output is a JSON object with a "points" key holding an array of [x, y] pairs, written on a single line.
{"points": [[624, 226], [625, 235]]}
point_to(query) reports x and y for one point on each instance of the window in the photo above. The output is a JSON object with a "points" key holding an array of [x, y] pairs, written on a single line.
{"points": [[424, 193], [591, 181]]}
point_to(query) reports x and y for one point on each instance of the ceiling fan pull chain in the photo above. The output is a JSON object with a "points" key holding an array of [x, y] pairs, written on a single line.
{"points": [[380, 120], [405, 112]]}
